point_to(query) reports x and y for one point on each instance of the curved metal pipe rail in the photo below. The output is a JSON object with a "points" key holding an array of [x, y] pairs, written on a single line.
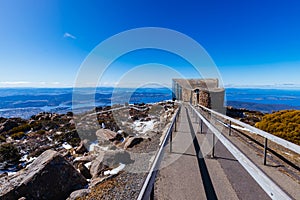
{"points": [[267, 184], [289, 145], [147, 191]]}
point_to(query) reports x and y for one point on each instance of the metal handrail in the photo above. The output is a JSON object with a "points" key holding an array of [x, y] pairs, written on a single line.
{"points": [[147, 190], [289, 145], [270, 187]]}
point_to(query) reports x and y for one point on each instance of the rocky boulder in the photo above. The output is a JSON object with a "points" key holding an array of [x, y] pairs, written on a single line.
{"points": [[85, 159], [132, 141], [106, 134], [78, 194], [84, 171], [109, 159], [50, 176], [81, 149]]}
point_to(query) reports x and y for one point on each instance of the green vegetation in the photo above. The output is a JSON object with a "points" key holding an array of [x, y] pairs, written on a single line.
{"points": [[2, 138], [284, 124], [8, 152], [45, 124], [71, 137], [18, 135], [21, 128]]}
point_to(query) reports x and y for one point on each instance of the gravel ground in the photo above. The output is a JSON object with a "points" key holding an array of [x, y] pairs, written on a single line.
{"points": [[128, 183], [123, 186]]}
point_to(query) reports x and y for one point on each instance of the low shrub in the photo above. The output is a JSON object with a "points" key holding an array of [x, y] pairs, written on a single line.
{"points": [[2, 138], [9, 153], [71, 137], [18, 135], [21, 128], [284, 124], [41, 132]]}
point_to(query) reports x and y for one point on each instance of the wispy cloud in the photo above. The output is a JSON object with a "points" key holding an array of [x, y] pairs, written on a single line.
{"points": [[31, 84], [14, 82], [68, 35], [270, 86]]}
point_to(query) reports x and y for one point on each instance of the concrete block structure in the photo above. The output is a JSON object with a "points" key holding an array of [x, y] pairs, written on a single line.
{"points": [[205, 92]]}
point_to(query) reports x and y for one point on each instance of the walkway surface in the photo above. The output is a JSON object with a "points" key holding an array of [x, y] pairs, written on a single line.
{"points": [[188, 172]]}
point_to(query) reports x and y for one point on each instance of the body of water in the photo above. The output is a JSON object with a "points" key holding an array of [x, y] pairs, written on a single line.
{"points": [[26, 102], [265, 100]]}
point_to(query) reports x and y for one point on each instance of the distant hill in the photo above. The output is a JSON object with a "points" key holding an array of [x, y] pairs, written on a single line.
{"points": [[26, 102], [265, 108]]}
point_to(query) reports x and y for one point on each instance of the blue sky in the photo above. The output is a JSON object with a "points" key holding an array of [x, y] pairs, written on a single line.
{"points": [[253, 43]]}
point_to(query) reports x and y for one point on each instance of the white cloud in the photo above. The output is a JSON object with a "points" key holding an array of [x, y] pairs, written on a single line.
{"points": [[55, 83], [68, 35], [270, 86], [14, 82], [4, 84]]}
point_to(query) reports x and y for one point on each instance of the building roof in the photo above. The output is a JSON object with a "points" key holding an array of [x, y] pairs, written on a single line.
{"points": [[201, 84]]}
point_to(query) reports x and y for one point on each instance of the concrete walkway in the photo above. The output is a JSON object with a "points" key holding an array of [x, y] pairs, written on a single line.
{"points": [[188, 172]]}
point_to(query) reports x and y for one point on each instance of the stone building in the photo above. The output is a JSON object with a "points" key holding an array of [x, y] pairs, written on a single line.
{"points": [[205, 92]]}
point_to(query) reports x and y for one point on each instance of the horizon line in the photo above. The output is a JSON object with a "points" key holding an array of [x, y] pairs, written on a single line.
{"points": [[225, 87]]}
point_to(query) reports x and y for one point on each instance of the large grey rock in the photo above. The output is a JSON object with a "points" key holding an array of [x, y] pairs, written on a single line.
{"points": [[84, 171], [132, 141], [106, 134], [84, 159], [50, 176], [97, 168], [109, 159], [78, 193], [81, 149]]}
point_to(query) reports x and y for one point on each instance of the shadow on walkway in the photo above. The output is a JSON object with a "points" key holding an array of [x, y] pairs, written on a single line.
{"points": [[207, 183]]}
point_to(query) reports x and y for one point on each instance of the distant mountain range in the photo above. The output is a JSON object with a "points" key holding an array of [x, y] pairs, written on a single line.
{"points": [[24, 102], [264, 100], [265, 108]]}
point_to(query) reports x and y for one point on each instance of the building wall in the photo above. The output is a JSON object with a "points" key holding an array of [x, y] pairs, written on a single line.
{"points": [[217, 100], [204, 99], [210, 95], [204, 83], [186, 95]]}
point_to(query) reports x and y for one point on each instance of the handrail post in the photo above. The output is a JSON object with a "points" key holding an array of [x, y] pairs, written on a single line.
{"points": [[175, 129], [265, 151], [175, 123], [213, 146], [171, 139], [201, 126], [229, 128]]}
